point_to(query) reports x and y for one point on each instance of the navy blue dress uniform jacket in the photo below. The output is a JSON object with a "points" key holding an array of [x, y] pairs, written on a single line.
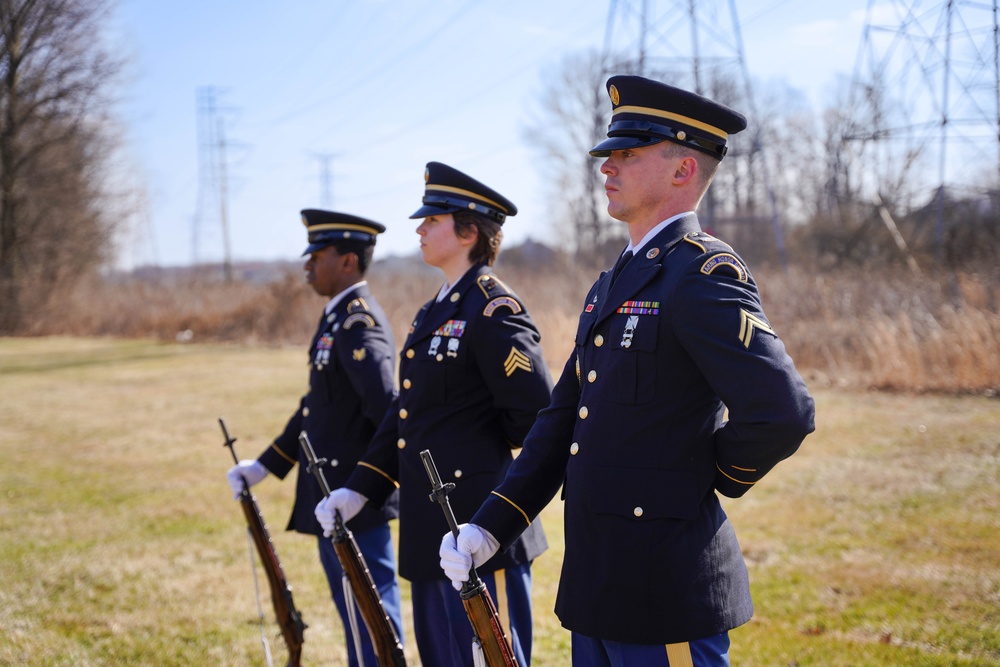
{"points": [[637, 435], [472, 380], [350, 389]]}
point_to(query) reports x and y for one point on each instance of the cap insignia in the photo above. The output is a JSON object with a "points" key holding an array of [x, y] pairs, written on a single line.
{"points": [[427, 175], [614, 95]]}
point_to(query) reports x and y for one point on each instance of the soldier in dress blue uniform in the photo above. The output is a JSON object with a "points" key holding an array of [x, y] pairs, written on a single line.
{"points": [[637, 432], [472, 380], [350, 389]]}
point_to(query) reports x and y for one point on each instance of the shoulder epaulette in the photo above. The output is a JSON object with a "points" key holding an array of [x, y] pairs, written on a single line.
{"points": [[703, 241], [357, 304], [492, 286], [358, 314], [498, 295], [723, 257]]}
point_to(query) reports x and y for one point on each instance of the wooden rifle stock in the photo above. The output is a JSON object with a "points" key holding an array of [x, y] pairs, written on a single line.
{"points": [[385, 642], [476, 598], [289, 619]]}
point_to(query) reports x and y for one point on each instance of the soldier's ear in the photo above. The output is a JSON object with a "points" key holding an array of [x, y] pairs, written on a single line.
{"points": [[686, 170]]}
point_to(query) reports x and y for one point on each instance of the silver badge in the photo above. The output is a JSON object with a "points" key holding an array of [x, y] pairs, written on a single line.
{"points": [[435, 342], [630, 325], [453, 347]]}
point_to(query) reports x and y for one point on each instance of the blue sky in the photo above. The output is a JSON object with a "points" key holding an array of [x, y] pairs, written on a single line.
{"points": [[383, 87]]}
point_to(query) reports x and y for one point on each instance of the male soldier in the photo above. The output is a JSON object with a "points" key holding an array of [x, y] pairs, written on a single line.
{"points": [[636, 431], [350, 388]]}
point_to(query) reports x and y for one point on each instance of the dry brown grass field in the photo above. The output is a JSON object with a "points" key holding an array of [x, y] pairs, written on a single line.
{"points": [[876, 544], [120, 544], [845, 328]]}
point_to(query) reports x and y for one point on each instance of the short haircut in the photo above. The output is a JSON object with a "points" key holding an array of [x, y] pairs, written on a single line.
{"points": [[707, 165], [363, 250], [487, 245]]}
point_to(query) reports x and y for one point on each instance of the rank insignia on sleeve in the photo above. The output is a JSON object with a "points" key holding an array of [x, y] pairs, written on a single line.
{"points": [[357, 318], [750, 323], [726, 261], [640, 308], [451, 328], [359, 355], [502, 302], [516, 360]]}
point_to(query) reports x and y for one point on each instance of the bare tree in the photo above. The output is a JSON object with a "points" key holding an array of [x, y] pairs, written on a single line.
{"points": [[55, 83], [571, 118]]}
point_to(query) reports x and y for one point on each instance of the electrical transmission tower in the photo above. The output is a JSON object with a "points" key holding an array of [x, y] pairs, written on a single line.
{"points": [[926, 97], [213, 185], [325, 178], [698, 45]]}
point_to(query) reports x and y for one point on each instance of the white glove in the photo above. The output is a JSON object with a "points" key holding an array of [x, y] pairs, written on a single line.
{"points": [[246, 472], [342, 500], [475, 546]]}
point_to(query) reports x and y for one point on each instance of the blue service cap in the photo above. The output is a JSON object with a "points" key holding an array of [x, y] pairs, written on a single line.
{"points": [[329, 227], [646, 112], [448, 190]]}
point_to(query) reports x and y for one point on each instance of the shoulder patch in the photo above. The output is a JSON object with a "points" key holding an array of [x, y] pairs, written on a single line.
{"points": [[492, 286], [357, 305], [703, 240], [364, 319], [502, 302], [726, 261]]}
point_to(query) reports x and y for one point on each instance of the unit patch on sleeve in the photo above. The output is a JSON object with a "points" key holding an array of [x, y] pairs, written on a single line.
{"points": [[502, 302], [358, 318], [750, 323], [726, 261], [516, 360]]}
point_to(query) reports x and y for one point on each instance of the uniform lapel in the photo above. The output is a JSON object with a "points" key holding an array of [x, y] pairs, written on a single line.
{"points": [[644, 266], [436, 314]]}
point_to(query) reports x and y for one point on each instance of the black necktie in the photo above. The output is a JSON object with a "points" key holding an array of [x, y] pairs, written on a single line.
{"points": [[622, 261]]}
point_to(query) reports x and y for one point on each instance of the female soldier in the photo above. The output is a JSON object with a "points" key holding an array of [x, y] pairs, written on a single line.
{"points": [[472, 379]]}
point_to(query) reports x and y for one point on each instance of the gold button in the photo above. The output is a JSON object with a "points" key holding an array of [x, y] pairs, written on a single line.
{"points": [[334, 463], [458, 473], [591, 376], [403, 413], [454, 297], [401, 443], [574, 448], [598, 340], [410, 353], [584, 412], [439, 357], [407, 384], [637, 511], [305, 412]]}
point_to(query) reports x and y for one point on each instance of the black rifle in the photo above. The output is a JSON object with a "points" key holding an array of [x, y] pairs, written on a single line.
{"points": [[385, 642], [476, 598], [289, 619]]}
